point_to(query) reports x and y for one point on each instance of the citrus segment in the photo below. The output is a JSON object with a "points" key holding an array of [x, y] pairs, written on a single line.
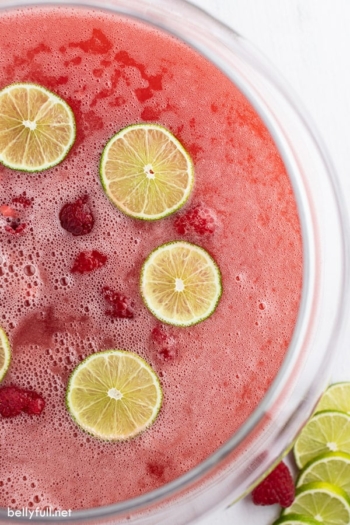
{"points": [[180, 283], [332, 467], [5, 354], [295, 519], [37, 128], [114, 395], [323, 502], [336, 397], [327, 431], [146, 172]]}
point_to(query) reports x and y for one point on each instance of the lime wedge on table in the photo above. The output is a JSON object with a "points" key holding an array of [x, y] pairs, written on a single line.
{"points": [[295, 519], [323, 502], [180, 283], [336, 397], [5, 354], [37, 128], [146, 172], [327, 431], [332, 467], [114, 395]]}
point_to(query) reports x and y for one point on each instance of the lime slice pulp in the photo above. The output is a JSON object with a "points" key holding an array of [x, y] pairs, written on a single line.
{"points": [[327, 431], [295, 519], [332, 467], [323, 502], [180, 283], [114, 395], [146, 172], [5, 354], [37, 127], [336, 397]]}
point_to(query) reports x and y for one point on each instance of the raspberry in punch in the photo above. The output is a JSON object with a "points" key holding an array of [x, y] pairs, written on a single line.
{"points": [[115, 72]]}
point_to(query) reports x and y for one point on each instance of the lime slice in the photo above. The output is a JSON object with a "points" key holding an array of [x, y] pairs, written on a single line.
{"points": [[295, 519], [332, 467], [336, 397], [37, 128], [5, 354], [114, 395], [327, 431], [180, 283], [146, 172], [323, 502]]}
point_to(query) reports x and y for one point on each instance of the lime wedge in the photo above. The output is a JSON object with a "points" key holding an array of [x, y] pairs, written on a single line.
{"points": [[114, 395], [37, 128], [336, 397], [5, 354], [180, 283], [295, 519], [146, 172], [327, 431], [323, 502], [332, 467]]}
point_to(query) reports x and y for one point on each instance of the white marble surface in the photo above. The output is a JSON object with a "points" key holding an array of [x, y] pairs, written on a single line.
{"points": [[308, 41]]}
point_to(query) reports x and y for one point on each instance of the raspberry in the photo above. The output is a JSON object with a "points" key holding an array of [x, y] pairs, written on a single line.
{"points": [[88, 261], [76, 217], [164, 344], [22, 200], [122, 306], [36, 404], [14, 400], [277, 487], [198, 220], [14, 226]]}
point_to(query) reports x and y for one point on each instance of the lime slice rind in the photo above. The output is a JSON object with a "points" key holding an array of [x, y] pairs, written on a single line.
{"points": [[5, 354], [140, 178], [109, 404], [202, 291], [30, 140], [321, 501]]}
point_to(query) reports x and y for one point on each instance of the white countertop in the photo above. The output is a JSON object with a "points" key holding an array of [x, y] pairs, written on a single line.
{"points": [[308, 41]]}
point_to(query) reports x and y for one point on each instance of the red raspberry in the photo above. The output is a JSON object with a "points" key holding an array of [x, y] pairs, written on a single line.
{"points": [[198, 220], [88, 261], [76, 217], [36, 404], [164, 344], [121, 305], [22, 200], [277, 487], [14, 400], [15, 226]]}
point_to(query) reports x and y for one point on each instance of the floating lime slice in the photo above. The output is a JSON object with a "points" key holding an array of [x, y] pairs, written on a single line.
{"points": [[332, 467], [146, 172], [323, 502], [180, 283], [5, 354], [37, 128], [336, 397], [327, 431], [114, 395]]}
